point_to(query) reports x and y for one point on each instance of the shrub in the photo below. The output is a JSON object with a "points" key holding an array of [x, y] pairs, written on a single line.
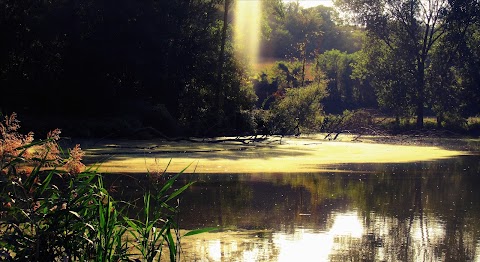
{"points": [[299, 108]]}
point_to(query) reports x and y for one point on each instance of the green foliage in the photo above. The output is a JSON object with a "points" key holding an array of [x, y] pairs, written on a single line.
{"points": [[209, 102], [345, 92], [389, 74], [273, 82], [261, 119], [474, 125], [407, 49], [264, 90], [292, 31], [156, 227], [453, 78], [299, 108], [285, 106], [287, 74]]}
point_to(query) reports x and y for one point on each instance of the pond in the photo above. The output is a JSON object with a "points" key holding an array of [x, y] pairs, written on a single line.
{"points": [[421, 211]]}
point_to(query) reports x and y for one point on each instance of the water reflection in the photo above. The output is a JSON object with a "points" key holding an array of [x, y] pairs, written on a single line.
{"points": [[427, 211], [308, 245]]}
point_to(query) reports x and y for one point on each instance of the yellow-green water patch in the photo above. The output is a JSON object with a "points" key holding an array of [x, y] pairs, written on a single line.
{"points": [[291, 155]]}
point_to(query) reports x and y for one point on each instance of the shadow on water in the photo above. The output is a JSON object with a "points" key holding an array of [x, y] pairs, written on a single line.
{"points": [[426, 211], [122, 150]]}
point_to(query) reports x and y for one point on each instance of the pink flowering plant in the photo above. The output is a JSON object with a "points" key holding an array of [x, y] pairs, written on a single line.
{"points": [[50, 202], [43, 196], [54, 208], [18, 153]]}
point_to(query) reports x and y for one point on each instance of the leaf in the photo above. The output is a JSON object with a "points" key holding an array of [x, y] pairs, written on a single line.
{"points": [[89, 226], [172, 180], [168, 184], [75, 214], [46, 182], [178, 192], [171, 245], [200, 231]]}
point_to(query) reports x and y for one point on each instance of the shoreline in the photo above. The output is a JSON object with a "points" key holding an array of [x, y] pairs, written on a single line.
{"points": [[304, 154]]}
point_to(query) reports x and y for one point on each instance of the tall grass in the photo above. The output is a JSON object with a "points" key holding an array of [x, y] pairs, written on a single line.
{"points": [[53, 208]]}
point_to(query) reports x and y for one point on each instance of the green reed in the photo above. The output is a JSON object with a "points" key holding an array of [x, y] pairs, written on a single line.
{"points": [[52, 208]]}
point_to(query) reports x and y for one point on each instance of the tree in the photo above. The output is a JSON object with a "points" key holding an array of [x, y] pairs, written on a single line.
{"points": [[335, 67], [289, 27], [294, 32], [299, 108], [389, 74], [454, 76], [409, 27], [221, 58], [274, 81]]}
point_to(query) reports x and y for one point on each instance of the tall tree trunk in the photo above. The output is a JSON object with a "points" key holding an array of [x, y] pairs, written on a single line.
{"points": [[221, 58], [420, 93], [439, 120]]}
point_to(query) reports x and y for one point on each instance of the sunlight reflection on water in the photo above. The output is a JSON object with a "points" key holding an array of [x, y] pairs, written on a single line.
{"points": [[346, 230], [303, 244], [307, 245]]}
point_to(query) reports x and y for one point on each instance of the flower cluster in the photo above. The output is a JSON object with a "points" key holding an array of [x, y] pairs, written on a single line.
{"points": [[74, 163], [18, 151], [11, 141], [49, 152]]}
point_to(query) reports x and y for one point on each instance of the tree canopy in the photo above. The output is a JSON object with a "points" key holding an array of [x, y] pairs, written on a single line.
{"points": [[150, 59], [410, 33]]}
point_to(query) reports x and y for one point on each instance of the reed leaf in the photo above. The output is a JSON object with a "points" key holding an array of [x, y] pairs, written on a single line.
{"points": [[200, 231]]}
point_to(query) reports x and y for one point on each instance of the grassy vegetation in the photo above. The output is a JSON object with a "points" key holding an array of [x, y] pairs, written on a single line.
{"points": [[372, 122], [469, 126], [53, 208]]}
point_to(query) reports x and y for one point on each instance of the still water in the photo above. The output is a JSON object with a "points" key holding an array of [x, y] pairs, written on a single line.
{"points": [[426, 211]]}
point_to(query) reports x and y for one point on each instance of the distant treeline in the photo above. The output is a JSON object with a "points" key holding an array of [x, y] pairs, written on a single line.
{"points": [[100, 67]]}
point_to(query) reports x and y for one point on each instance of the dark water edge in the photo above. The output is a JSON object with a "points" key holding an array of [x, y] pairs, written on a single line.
{"points": [[425, 211]]}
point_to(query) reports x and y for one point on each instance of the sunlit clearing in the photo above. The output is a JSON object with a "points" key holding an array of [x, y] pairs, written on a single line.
{"points": [[247, 30], [306, 245]]}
